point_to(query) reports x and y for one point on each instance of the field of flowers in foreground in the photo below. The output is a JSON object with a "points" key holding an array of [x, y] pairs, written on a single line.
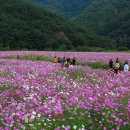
{"points": [[36, 95]]}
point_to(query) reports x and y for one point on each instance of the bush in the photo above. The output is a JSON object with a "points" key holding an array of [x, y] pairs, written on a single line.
{"points": [[122, 48], [98, 64]]}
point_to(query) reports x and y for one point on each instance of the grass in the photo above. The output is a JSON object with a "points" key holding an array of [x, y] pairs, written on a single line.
{"points": [[98, 65], [80, 119], [76, 75], [30, 57]]}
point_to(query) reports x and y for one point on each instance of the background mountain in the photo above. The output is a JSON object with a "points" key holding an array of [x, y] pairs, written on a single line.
{"points": [[109, 18], [26, 26], [66, 8]]}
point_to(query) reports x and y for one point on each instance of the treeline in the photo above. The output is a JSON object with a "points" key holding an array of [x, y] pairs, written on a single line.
{"points": [[65, 8], [25, 26], [109, 18]]}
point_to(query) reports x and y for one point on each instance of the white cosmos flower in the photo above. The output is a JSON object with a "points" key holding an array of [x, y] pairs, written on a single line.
{"points": [[31, 124], [75, 127], [82, 125], [32, 117], [26, 120], [34, 113], [24, 98], [39, 115], [13, 114], [63, 126], [82, 129], [11, 125]]}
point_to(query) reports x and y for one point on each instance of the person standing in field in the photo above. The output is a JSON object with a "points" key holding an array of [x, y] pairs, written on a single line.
{"points": [[18, 57], [55, 59], [59, 60], [63, 62], [67, 63], [117, 59], [73, 61], [111, 64], [64, 59], [126, 66], [117, 66]]}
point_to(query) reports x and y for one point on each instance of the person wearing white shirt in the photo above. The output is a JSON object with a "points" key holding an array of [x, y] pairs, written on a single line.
{"points": [[126, 67]]}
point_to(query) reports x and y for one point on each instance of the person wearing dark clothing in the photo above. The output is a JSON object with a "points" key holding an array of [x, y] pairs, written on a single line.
{"points": [[117, 60], [73, 61], [67, 63], [18, 57], [110, 64], [59, 60], [68, 60]]}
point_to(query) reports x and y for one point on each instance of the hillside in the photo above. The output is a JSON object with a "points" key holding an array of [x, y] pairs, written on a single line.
{"points": [[109, 18], [25, 26], [65, 8]]}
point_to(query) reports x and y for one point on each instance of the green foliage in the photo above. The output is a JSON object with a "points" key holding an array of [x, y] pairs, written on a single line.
{"points": [[122, 48], [90, 49], [109, 18], [76, 75], [65, 8], [30, 57], [98, 65], [26, 26], [36, 57], [34, 28]]}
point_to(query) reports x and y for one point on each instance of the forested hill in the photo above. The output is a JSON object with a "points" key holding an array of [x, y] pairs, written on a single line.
{"points": [[25, 26], [109, 18], [65, 8]]}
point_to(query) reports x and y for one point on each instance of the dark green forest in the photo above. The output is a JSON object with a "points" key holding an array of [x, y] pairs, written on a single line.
{"points": [[26, 26], [109, 18], [66, 8], [87, 27]]}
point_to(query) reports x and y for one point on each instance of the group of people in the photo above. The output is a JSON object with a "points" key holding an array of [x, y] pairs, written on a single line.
{"points": [[65, 62], [117, 66]]}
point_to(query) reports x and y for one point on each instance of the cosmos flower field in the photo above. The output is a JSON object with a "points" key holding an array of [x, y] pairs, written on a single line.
{"points": [[41, 95]]}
